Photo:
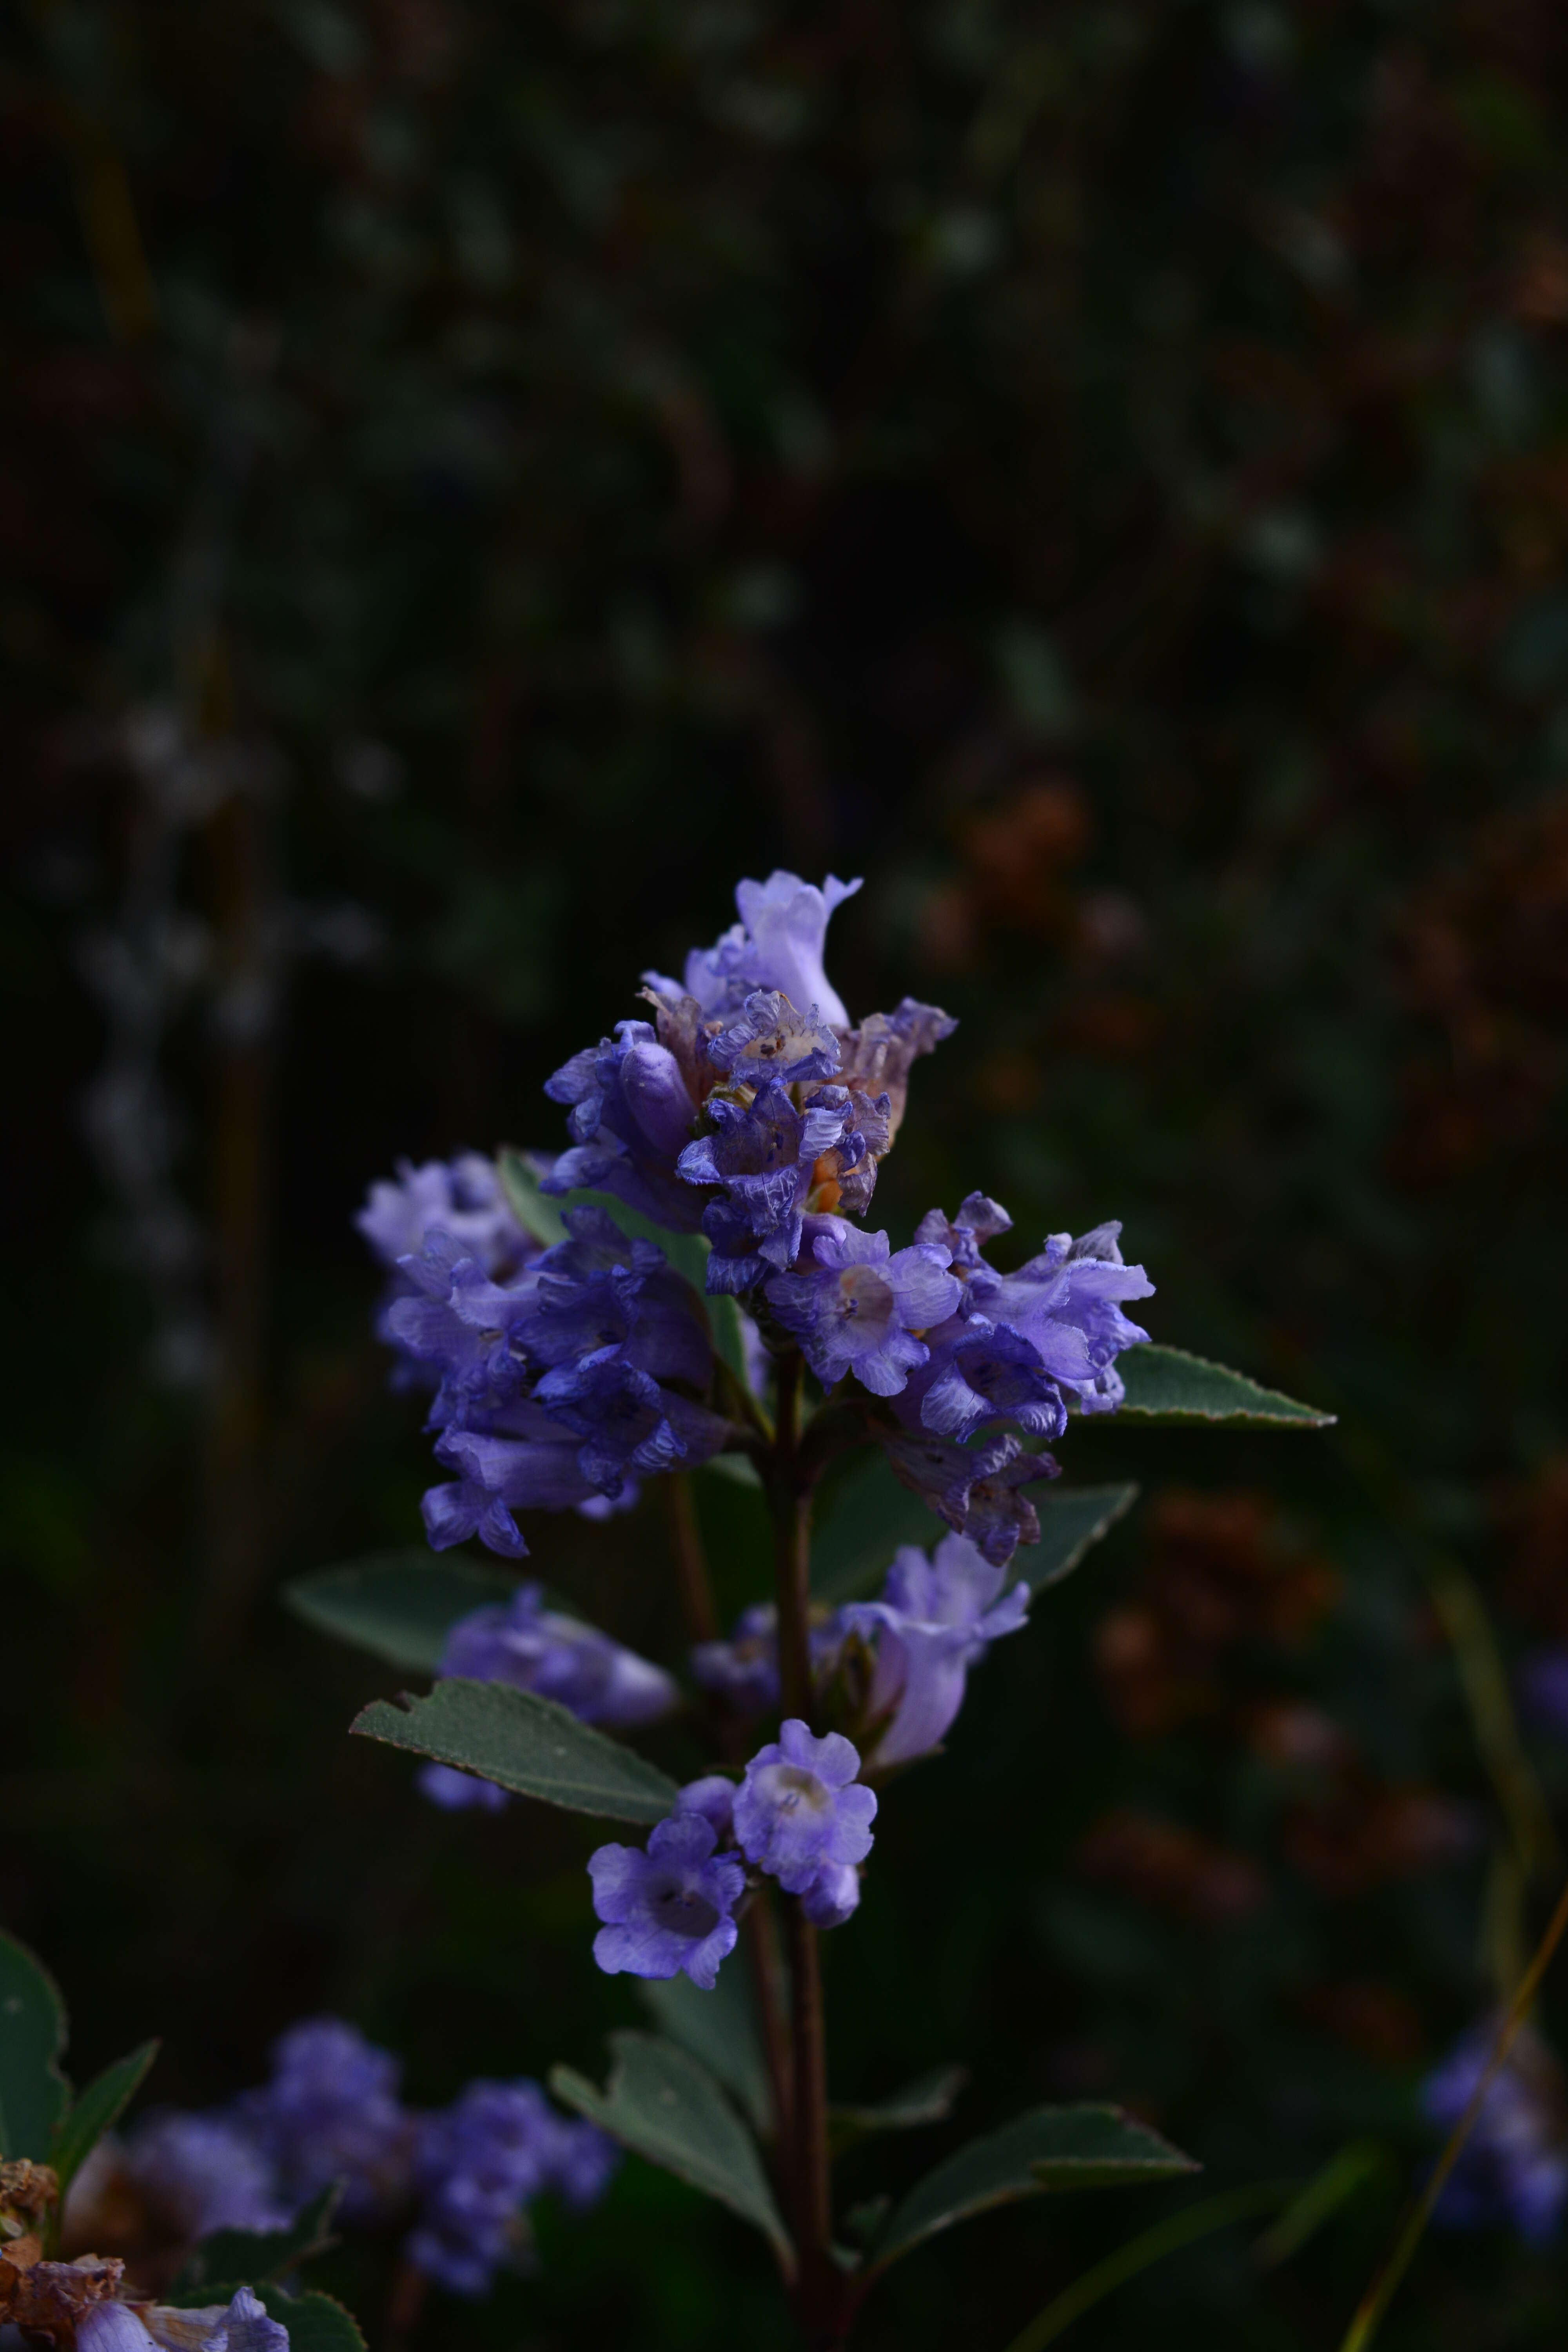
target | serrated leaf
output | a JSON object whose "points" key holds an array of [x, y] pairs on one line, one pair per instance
{"points": [[1167, 1384], [663, 2106], [720, 2030], [234, 2258], [527, 1744], [872, 1514], [398, 1605], [315, 2322], [97, 2110], [32, 2090], [1073, 1519], [1042, 2153], [927, 2100]]}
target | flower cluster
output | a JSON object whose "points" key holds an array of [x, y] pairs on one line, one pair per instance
{"points": [[751, 1111], [556, 1386], [331, 2112], [800, 1815], [1513, 2169], [533, 1648], [897, 1666]]}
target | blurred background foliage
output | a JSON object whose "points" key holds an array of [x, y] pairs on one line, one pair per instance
{"points": [[475, 482]]}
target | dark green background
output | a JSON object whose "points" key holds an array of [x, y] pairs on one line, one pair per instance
{"points": [[1100, 471]]}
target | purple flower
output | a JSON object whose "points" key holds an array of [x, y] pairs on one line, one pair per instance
{"points": [[714, 1797], [833, 1895], [858, 1308], [763, 1154], [243, 2326], [584, 2162], [1543, 1689], [800, 1810], [204, 2172], [744, 1671], [978, 1221], [974, 1487], [1068, 1303], [1514, 2166], [460, 1197], [935, 1618], [537, 1649], [775, 1042], [777, 944], [630, 1115], [979, 1371], [330, 2112], [475, 2166], [111, 2327], [668, 1910], [527, 1461]]}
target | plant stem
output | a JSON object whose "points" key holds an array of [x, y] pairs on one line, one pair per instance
{"points": [[819, 2283], [762, 1934], [790, 1499], [690, 1562]]}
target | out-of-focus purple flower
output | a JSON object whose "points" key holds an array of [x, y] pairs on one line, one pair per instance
{"points": [[1543, 1689], [857, 1308], [800, 1810], [833, 1895], [477, 2164], [713, 1796], [204, 2172], [762, 1155], [630, 1115], [744, 1671], [937, 1615], [667, 1911], [460, 1197], [1514, 2166], [584, 2162], [533, 1648], [457, 1792], [974, 1487], [777, 944], [330, 2112]]}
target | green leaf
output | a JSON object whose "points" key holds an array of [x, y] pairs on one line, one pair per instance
{"points": [[315, 2322], [663, 2106], [1042, 2153], [719, 2028], [871, 1514], [98, 2109], [927, 2100], [537, 1213], [32, 2090], [527, 1744], [234, 2258], [398, 1605], [1167, 1384], [1073, 1519]]}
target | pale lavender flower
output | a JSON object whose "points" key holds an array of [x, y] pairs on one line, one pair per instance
{"points": [[111, 2327], [777, 944], [833, 1895], [460, 1197], [457, 1792], [936, 1616], [1068, 1303], [667, 1911], [713, 1796], [630, 1115], [856, 1304], [204, 2172], [244, 2326], [762, 1155], [800, 1809], [772, 1042], [533, 1648]]}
